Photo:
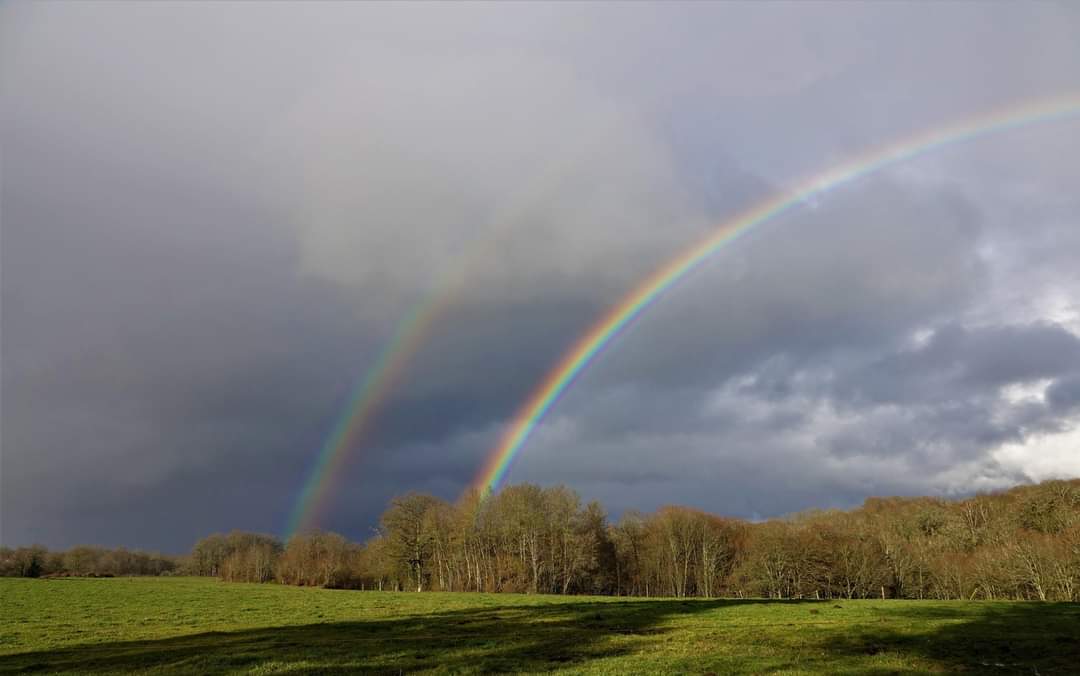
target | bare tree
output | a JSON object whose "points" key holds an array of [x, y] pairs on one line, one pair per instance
{"points": [[408, 526]]}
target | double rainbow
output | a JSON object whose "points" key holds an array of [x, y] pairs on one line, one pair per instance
{"points": [[373, 389], [604, 331]]}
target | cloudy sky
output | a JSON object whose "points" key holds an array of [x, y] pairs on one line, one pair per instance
{"points": [[215, 216]]}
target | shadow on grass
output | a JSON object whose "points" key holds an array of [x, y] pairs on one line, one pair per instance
{"points": [[998, 638], [987, 637], [500, 638]]}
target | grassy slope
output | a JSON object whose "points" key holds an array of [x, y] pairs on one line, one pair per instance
{"points": [[204, 626]]}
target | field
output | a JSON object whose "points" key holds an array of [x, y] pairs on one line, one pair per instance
{"points": [[197, 626]]}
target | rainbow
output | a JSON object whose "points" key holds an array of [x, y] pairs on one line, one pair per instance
{"points": [[373, 388], [619, 317], [363, 403]]}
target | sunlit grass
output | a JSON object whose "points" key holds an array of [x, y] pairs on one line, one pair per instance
{"points": [[195, 625]]}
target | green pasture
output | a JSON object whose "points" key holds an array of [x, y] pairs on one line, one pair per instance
{"points": [[202, 626]]}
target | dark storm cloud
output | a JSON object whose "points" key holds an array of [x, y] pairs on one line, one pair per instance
{"points": [[957, 361], [854, 273], [1064, 394], [131, 360], [215, 216]]}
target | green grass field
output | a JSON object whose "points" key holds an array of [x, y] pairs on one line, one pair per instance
{"points": [[198, 626]]}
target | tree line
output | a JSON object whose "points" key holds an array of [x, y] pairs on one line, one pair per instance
{"points": [[38, 561], [1023, 543], [1019, 544]]}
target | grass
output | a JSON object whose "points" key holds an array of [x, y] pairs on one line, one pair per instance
{"points": [[201, 626]]}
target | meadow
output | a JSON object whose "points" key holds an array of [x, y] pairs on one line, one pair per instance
{"points": [[202, 626]]}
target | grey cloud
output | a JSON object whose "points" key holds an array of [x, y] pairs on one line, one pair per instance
{"points": [[854, 273], [960, 361], [215, 216], [1064, 393]]}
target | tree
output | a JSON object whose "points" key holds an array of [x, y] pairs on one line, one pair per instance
{"points": [[408, 528]]}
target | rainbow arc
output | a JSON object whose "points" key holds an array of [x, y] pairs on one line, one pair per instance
{"points": [[601, 334]]}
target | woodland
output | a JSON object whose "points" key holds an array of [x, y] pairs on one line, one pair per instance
{"points": [[1019, 544]]}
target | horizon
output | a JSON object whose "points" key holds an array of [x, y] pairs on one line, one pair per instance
{"points": [[612, 522]]}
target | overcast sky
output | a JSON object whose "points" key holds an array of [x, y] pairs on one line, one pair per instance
{"points": [[214, 217]]}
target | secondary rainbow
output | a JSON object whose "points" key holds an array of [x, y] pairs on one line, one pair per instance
{"points": [[603, 332], [364, 402], [373, 389]]}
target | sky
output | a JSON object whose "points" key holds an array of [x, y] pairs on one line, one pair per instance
{"points": [[214, 216]]}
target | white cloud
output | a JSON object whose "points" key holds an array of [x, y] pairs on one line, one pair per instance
{"points": [[1043, 456]]}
